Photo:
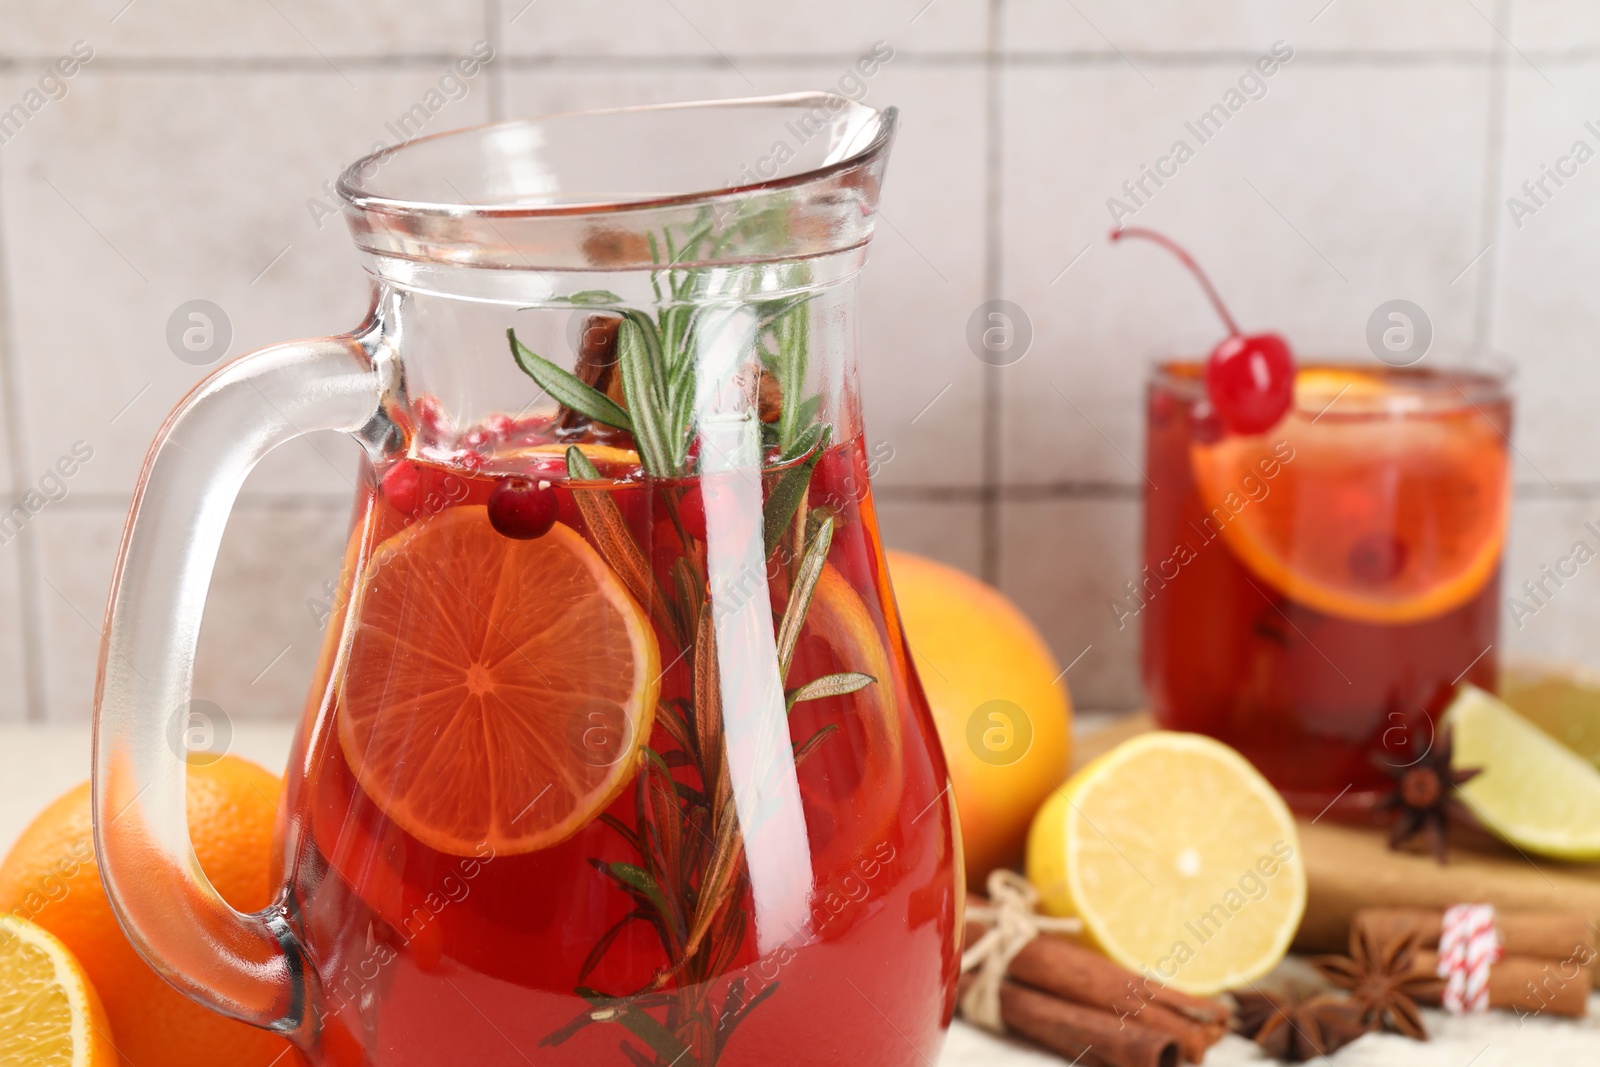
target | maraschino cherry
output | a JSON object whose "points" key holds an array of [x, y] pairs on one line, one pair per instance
{"points": [[1249, 377]]}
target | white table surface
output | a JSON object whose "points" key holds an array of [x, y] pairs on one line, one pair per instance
{"points": [[37, 763]]}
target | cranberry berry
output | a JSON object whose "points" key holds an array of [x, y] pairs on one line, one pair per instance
{"points": [[1249, 378], [522, 508], [402, 486]]}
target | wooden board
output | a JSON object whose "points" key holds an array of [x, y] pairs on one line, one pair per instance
{"points": [[1351, 867]]}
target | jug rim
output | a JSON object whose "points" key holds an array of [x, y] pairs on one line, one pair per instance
{"points": [[884, 122]]}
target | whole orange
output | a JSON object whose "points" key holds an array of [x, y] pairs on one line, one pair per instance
{"points": [[51, 878], [1001, 709]]}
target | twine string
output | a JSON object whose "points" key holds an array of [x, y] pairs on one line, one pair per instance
{"points": [[1012, 913]]}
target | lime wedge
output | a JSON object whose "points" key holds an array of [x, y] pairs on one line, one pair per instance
{"points": [[1564, 702], [1534, 792]]}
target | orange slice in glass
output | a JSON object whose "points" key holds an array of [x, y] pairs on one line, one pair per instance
{"points": [[497, 691], [1365, 502]]}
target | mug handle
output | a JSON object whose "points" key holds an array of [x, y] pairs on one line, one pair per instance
{"points": [[250, 967]]}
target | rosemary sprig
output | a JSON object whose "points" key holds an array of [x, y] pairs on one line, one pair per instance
{"points": [[610, 532], [789, 490], [805, 587], [568, 389], [639, 360], [688, 877], [809, 745], [829, 685]]}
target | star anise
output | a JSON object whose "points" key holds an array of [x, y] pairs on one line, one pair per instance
{"points": [[1295, 1028], [1424, 797], [1384, 980]]}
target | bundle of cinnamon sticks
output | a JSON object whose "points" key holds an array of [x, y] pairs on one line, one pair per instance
{"points": [[1546, 959], [1081, 1005]]}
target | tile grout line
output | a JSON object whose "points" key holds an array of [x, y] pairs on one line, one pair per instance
{"points": [[1067, 60], [989, 413], [1176, 58], [262, 502], [30, 612], [1087, 490], [494, 33], [1494, 152]]}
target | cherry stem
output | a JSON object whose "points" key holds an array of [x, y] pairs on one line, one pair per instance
{"points": [[1188, 261]]}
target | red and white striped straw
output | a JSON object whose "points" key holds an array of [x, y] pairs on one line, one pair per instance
{"points": [[1468, 947]]}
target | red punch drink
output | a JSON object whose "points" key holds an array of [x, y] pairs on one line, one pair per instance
{"points": [[621, 916], [1312, 594]]}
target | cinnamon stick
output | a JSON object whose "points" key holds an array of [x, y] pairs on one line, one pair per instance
{"points": [[1547, 962], [1549, 935], [1082, 1034], [1058, 966], [769, 397], [1528, 984], [596, 366], [1068, 970]]}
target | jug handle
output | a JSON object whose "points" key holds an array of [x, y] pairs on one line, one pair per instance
{"points": [[250, 967]]}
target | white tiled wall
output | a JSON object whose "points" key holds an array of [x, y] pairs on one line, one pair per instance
{"points": [[180, 162]]}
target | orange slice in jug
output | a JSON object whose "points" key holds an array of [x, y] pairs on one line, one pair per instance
{"points": [[1363, 503], [854, 778], [497, 691]]}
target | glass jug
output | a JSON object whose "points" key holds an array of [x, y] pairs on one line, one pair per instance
{"points": [[614, 752]]}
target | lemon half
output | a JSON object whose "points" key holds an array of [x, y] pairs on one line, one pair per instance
{"points": [[1181, 860]]}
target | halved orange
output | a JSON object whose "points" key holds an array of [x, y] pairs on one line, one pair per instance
{"points": [[479, 672], [1378, 510], [49, 1013]]}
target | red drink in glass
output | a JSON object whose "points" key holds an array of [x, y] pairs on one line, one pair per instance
{"points": [[1312, 595]]}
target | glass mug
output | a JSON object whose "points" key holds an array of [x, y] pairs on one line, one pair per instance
{"points": [[614, 750], [1313, 595]]}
